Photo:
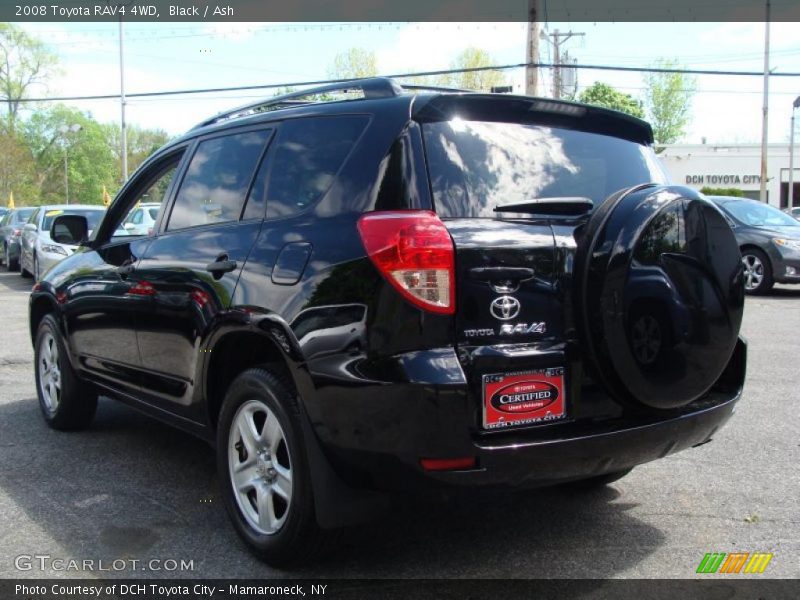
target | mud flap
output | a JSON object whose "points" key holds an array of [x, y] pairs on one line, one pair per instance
{"points": [[336, 503]]}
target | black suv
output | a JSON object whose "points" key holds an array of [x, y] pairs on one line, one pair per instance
{"points": [[400, 288]]}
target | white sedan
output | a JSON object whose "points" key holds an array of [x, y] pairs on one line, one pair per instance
{"points": [[37, 251]]}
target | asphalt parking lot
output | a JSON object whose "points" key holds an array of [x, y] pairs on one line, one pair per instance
{"points": [[135, 489]]}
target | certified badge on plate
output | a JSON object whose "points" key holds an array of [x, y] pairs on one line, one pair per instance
{"points": [[523, 398]]}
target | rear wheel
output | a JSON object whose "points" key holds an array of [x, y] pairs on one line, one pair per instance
{"points": [[12, 264], [66, 402], [266, 481], [757, 271]]}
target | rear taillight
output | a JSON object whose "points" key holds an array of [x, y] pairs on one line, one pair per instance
{"points": [[415, 253]]}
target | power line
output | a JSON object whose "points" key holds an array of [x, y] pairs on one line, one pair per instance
{"points": [[417, 74]]}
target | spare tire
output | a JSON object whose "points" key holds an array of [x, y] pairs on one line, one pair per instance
{"points": [[659, 295]]}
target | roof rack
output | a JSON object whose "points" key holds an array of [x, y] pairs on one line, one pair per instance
{"points": [[435, 88], [373, 87]]}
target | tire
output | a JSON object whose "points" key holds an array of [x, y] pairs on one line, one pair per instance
{"points": [[757, 272], [594, 483], [12, 264], [67, 403], [274, 510], [22, 270]]}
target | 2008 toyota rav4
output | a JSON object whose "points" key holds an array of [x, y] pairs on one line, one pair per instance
{"points": [[401, 289]]}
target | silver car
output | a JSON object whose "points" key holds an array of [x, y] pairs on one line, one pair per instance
{"points": [[37, 251], [10, 233], [141, 219]]}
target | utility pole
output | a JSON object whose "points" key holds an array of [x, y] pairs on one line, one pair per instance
{"points": [[558, 39], [123, 130], [532, 49], [765, 109], [790, 195]]}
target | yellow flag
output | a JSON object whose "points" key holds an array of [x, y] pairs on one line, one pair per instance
{"points": [[106, 197], [10, 199]]}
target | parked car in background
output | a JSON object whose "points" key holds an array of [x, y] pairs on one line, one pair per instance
{"points": [[769, 240], [37, 251], [4, 211], [10, 233], [793, 212], [142, 219], [401, 291]]}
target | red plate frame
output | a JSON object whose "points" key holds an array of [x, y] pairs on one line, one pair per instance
{"points": [[524, 398]]}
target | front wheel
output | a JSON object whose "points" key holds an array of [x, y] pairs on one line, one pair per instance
{"points": [[66, 402], [264, 471], [757, 272]]}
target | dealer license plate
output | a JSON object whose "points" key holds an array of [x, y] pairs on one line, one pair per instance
{"points": [[524, 398]]}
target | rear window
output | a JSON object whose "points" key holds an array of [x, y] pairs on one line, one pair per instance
{"points": [[475, 166], [22, 216], [760, 215]]}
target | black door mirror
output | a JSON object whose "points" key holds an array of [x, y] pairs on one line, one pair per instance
{"points": [[69, 229]]}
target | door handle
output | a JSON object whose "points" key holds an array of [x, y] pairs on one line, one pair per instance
{"points": [[221, 266]]}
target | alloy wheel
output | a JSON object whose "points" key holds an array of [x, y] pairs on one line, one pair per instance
{"points": [[260, 467], [753, 272], [49, 372]]}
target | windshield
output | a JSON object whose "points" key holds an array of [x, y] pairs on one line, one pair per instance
{"points": [[475, 166], [93, 216], [760, 215]]}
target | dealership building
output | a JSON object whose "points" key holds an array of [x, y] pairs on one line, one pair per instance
{"points": [[733, 166]]}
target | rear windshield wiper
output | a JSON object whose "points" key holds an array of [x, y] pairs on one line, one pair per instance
{"points": [[563, 206]]}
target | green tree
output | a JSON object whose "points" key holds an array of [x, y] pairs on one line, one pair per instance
{"points": [[141, 144], [483, 81], [17, 170], [354, 64], [668, 102], [25, 64], [602, 94], [91, 164]]}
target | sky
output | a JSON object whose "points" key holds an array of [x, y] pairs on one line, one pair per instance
{"points": [[173, 56]]}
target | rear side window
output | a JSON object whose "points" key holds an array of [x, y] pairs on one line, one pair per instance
{"points": [[475, 166], [308, 155], [216, 182]]}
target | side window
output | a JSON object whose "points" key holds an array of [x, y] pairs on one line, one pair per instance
{"points": [[137, 217], [35, 217], [217, 180], [308, 155], [153, 187]]}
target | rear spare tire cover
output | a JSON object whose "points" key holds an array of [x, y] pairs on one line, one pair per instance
{"points": [[660, 295]]}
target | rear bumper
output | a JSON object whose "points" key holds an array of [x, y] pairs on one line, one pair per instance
{"points": [[550, 462], [376, 436]]}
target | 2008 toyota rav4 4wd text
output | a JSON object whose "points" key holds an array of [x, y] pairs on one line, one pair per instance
{"points": [[396, 289]]}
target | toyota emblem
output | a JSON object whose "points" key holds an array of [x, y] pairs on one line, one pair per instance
{"points": [[505, 308]]}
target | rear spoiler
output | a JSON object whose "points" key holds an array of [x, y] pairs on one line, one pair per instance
{"points": [[535, 111]]}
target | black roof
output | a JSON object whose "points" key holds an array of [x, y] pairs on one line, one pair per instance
{"points": [[379, 94]]}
